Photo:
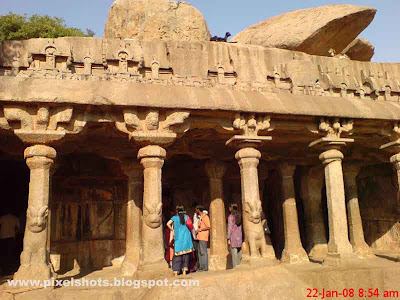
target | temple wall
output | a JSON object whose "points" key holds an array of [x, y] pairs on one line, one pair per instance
{"points": [[378, 207], [88, 212]]}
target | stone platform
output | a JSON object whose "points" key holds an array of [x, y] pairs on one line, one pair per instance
{"points": [[282, 281]]}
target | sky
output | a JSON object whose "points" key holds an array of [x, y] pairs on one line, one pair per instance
{"points": [[225, 15]]}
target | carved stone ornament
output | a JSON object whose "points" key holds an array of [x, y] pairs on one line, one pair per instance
{"points": [[250, 125], [332, 128], [41, 124], [152, 215], [394, 135], [37, 218], [153, 126]]}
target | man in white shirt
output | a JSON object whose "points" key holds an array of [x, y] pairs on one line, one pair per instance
{"points": [[9, 228]]}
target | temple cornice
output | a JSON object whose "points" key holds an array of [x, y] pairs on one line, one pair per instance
{"points": [[105, 93]]}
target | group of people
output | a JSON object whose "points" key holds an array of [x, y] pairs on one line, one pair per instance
{"points": [[186, 239]]}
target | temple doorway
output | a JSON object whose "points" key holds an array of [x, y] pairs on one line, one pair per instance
{"points": [[88, 213], [14, 184]]}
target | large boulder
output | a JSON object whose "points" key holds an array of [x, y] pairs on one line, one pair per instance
{"points": [[360, 49], [156, 20], [313, 31]]}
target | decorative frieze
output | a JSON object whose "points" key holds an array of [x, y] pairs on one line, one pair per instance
{"points": [[225, 66]]}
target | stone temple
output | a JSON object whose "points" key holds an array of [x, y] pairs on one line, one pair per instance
{"points": [[100, 137]]}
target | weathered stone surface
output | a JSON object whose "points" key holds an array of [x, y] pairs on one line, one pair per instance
{"points": [[152, 159], [134, 171], [215, 171], [356, 232], [248, 159], [360, 49], [35, 258], [311, 186], [156, 20], [338, 232], [293, 251], [313, 31]]}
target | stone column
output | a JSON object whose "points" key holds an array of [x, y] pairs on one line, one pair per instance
{"points": [[218, 242], [357, 240], [395, 160], [35, 259], [311, 189], [134, 171], [248, 159], [293, 251], [339, 245], [152, 159]]}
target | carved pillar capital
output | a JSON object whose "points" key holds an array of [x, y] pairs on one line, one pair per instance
{"points": [[334, 127], [248, 158], [330, 156], [215, 169], [152, 156], [153, 126], [43, 124], [395, 160], [40, 157]]}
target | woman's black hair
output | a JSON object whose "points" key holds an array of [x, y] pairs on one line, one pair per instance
{"points": [[236, 214], [180, 210], [200, 207]]}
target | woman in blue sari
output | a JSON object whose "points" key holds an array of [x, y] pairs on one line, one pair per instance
{"points": [[183, 246]]}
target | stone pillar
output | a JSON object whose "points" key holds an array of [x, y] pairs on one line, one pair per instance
{"points": [[35, 259], [248, 159], [311, 189], [293, 251], [339, 245], [395, 160], [152, 159], [357, 240], [218, 242], [134, 171]]}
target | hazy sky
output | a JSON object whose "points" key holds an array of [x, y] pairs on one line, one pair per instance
{"points": [[225, 15]]}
